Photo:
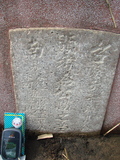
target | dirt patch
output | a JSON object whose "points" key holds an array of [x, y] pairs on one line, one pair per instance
{"points": [[74, 148]]}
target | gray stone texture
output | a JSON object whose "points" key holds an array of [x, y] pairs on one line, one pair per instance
{"points": [[63, 77]]}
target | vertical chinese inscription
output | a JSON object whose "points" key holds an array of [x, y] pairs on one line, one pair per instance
{"points": [[64, 75]]}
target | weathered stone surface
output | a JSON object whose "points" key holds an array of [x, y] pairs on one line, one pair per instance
{"points": [[63, 77]]}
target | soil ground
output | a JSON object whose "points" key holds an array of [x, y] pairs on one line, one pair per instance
{"points": [[74, 148]]}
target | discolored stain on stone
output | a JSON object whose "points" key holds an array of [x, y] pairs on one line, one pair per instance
{"points": [[63, 77]]}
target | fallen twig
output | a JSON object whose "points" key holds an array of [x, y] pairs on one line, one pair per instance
{"points": [[45, 136], [111, 129], [66, 154], [65, 157], [107, 1]]}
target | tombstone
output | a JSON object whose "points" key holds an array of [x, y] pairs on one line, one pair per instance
{"points": [[63, 77]]}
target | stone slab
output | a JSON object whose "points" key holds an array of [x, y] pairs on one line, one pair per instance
{"points": [[63, 77]]}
